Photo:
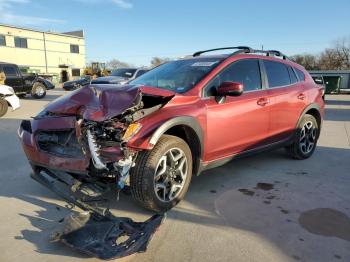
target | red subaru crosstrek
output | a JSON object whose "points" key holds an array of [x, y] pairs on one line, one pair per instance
{"points": [[173, 122]]}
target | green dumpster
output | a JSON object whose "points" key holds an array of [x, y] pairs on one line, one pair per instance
{"points": [[332, 84]]}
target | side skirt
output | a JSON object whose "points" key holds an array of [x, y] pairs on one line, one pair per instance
{"points": [[225, 160]]}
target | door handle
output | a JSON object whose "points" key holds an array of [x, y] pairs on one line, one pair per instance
{"points": [[301, 96], [263, 101]]}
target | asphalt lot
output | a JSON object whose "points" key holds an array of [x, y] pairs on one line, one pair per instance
{"points": [[303, 215]]}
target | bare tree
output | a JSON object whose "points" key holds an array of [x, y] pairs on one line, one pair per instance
{"points": [[329, 60], [342, 50], [115, 63], [309, 61], [156, 61], [335, 58]]}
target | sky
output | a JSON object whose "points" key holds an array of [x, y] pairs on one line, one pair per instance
{"points": [[134, 31]]}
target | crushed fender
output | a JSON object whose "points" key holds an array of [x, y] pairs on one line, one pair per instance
{"points": [[96, 231]]}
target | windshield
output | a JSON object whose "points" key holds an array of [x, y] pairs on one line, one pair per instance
{"points": [[124, 72], [178, 76]]}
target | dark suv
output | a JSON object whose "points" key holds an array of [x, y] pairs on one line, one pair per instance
{"points": [[24, 84], [173, 122]]}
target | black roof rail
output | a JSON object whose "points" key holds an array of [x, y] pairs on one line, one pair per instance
{"points": [[277, 53], [272, 52], [241, 49], [245, 49]]}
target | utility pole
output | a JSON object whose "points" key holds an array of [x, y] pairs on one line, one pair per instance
{"points": [[45, 52]]}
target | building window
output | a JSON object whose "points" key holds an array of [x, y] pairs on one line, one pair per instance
{"points": [[21, 42], [74, 49], [2, 40], [75, 72]]}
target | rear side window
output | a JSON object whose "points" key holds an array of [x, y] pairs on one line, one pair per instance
{"points": [[293, 77], [277, 74], [300, 74], [10, 70]]}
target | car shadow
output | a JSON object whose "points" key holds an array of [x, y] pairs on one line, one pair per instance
{"points": [[337, 114], [338, 102], [48, 218], [48, 98]]}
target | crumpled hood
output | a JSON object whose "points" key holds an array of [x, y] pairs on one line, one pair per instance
{"points": [[102, 102]]}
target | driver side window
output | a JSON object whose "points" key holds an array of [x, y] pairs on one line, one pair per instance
{"points": [[246, 72]]}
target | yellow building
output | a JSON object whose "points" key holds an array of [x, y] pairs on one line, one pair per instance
{"points": [[60, 54]]}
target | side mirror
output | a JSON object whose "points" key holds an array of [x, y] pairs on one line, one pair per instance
{"points": [[230, 89]]}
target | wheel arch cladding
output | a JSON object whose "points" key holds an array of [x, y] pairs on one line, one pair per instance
{"points": [[188, 129], [314, 110]]}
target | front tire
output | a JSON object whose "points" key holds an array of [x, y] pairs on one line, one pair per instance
{"points": [[38, 90], [161, 176], [3, 107], [305, 140]]}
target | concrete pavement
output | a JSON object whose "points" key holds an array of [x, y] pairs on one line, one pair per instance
{"points": [[266, 207]]}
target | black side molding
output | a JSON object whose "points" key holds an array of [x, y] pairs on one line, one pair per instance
{"points": [[181, 120]]}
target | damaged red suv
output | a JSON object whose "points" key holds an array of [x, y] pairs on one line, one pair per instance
{"points": [[173, 122]]}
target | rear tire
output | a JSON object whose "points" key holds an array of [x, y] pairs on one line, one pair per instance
{"points": [[38, 90], [3, 107], [161, 176], [305, 140]]}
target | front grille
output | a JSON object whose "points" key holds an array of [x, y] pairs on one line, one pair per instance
{"points": [[60, 142]]}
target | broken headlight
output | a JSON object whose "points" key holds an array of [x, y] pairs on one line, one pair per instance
{"points": [[131, 131]]}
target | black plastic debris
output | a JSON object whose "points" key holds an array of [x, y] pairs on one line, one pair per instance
{"points": [[97, 232], [107, 237]]}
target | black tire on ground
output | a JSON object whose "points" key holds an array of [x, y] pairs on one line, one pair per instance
{"points": [[3, 107], [297, 149], [142, 175], [38, 90]]}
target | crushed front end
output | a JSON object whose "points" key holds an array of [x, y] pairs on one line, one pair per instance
{"points": [[85, 133], [79, 143]]}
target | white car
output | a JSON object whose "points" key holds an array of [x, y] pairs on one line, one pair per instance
{"points": [[7, 97]]}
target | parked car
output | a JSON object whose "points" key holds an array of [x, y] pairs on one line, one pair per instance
{"points": [[75, 84], [7, 98], [175, 121], [24, 84], [120, 76]]}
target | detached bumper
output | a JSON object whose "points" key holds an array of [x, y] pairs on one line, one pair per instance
{"points": [[13, 101], [96, 231]]}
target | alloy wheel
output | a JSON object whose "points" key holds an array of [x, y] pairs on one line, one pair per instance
{"points": [[39, 91], [307, 138], [170, 175]]}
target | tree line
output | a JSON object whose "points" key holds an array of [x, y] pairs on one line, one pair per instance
{"points": [[336, 57], [115, 63]]}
